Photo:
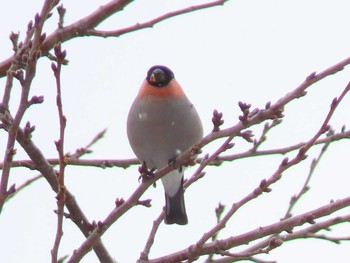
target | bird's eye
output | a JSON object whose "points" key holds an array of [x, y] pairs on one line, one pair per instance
{"points": [[157, 76]]}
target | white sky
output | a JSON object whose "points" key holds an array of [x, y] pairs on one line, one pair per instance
{"points": [[247, 50]]}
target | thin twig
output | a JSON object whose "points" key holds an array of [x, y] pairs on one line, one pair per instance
{"points": [[272, 244], [29, 57], [146, 250], [302, 233], [83, 150], [281, 151], [152, 22], [30, 164], [305, 187], [24, 185], [267, 127], [61, 195], [209, 158]]}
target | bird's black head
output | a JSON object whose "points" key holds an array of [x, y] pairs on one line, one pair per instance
{"points": [[159, 76]]}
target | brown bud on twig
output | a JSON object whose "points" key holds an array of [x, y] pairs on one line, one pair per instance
{"points": [[11, 190], [334, 103], [332, 132], [275, 242], [100, 225], [311, 76], [54, 67], [219, 210], [36, 100], [37, 19], [301, 153], [58, 144], [310, 219], [302, 94], [267, 190], [244, 106], [230, 145], [343, 128], [14, 40], [326, 128], [263, 186], [285, 161], [28, 130], [12, 151], [119, 202], [262, 183], [59, 53], [30, 25], [146, 203], [61, 12], [245, 110], [247, 135], [217, 120]]}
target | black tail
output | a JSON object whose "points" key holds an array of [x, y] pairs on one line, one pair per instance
{"points": [[175, 211]]}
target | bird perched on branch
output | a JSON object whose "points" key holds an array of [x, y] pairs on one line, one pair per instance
{"points": [[162, 123]]}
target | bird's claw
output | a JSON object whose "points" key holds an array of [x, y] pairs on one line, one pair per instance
{"points": [[172, 164], [145, 173]]}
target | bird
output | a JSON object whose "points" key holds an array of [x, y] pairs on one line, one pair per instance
{"points": [[162, 123]]}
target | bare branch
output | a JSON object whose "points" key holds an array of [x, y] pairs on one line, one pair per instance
{"points": [[306, 186], [152, 22], [28, 55], [61, 195], [86, 26], [283, 150], [24, 185], [156, 223], [234, 241]]}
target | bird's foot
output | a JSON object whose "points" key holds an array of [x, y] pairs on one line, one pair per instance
{"points": [[145, 173]]}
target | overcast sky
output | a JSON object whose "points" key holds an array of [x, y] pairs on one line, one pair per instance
{"points": [[247, 50]]}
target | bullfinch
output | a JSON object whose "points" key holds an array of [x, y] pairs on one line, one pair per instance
{"points": [[162, 123]]}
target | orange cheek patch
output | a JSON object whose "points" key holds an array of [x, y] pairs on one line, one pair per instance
{"points": [[173, 89]]}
